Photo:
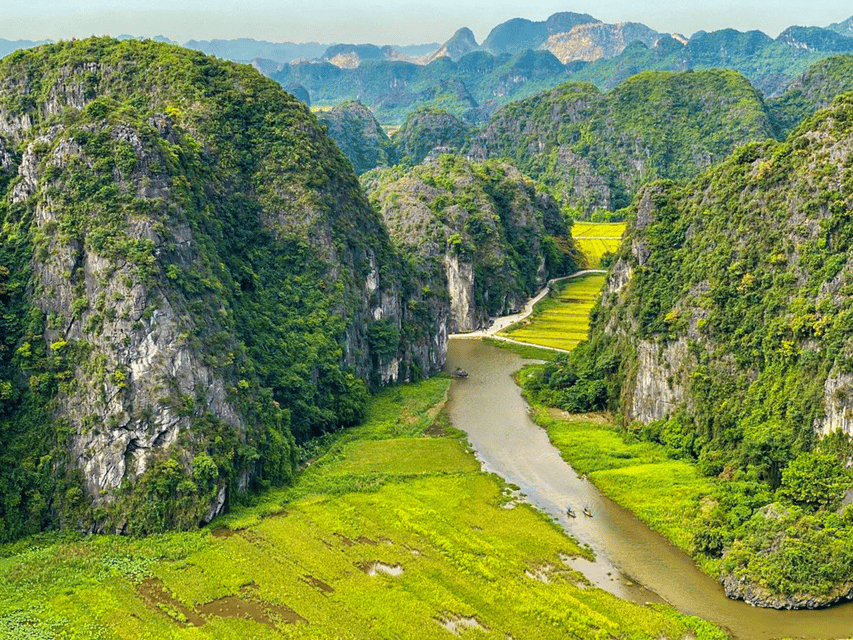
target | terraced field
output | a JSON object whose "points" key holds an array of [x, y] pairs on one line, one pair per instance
{"points": [[560, 320], [595, 239]]}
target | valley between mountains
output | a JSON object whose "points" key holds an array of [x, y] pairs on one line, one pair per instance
{"points": [[225, 317]]}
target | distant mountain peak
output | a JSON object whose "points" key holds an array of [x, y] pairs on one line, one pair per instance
{"points": [[465, 33], [461, 43], [844, 28], [515, 36], [815, 39], [567, 20]]}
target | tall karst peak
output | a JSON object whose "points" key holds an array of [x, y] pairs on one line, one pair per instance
{"points": [[461, 43], [727, 313], [191, 280]]}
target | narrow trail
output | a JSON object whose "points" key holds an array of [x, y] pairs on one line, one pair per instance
{"points": [[502, 322]]}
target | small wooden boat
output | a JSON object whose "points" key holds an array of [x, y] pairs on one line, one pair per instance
{"points": [[460, 373], [587, 512], [570, 512]]}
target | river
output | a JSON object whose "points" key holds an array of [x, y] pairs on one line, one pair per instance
{"points": [[632, 561]]}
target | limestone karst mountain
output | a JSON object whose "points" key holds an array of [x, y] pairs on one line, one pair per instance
{"points": [[190, 278], [463, 42], [482, 235], [352, 126], [596, 149]]}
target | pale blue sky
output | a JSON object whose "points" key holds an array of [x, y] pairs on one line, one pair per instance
{"points": [[383, 21]]}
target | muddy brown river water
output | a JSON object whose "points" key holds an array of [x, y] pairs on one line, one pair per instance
{"points": [[632, 561]]}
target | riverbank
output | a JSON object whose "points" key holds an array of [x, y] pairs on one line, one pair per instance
{"points": [[632, 560], [393, 531], [664, 493]]}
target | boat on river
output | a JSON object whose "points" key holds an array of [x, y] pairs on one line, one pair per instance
{"points": [[459, 373], [587, 512], [570, 512]]}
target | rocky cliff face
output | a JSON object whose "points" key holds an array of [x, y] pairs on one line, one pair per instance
{"points": [[597, 40], [206, 281], [480, 234], [660, 381]]}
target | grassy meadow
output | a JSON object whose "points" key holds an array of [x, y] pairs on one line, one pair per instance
{"points": [[561, 319], [391, 532], [594, 239]]}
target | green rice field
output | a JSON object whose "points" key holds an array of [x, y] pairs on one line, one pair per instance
{"points": [[561, 320], [391, 532], [595, 239]]}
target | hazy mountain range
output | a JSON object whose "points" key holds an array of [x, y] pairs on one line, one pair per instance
{"points": [[518, 58]]}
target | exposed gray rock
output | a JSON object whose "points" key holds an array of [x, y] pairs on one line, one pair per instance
{"points": [[837, 405], [460, 287], [659, 383], [758, 596]]}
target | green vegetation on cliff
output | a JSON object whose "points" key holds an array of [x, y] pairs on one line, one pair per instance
{"points": [[480, 233], [352, 126], [426, 129], [595, 150], [725, 331], [812, 91], [183, 265]]}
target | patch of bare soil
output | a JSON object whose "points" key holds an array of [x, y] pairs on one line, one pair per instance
{"points": [[375, 567], [154, 593], [456, 623], [594, 418], [318, 584]]}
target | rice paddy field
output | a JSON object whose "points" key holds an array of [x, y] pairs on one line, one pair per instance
{"points": [[391, 532], [595, 239], [560, 320]]}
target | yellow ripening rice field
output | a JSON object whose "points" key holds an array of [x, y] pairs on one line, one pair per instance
{"points": [[560, 320], [595, 239]]}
